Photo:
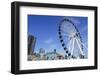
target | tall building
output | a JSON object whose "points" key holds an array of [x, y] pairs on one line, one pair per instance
{"points": [[42, 51], [42, 54], [31, 44]]}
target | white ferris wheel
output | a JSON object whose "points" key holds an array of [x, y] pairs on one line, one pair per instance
{"points": [[71, 40]]}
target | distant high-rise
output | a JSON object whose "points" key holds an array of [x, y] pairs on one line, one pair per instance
{"points": [[41, 51], [31, 44]]}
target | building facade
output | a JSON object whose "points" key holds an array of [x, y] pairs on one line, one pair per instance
{"points": [[31, 46]]}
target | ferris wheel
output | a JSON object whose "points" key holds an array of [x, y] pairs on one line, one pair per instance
{"points": [[71, 40]]}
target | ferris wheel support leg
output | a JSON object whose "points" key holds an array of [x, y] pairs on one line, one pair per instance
{"points": [[79, 47], [73, 40], [82, 44]]}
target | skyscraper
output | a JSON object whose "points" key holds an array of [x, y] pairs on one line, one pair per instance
{"points": [[31, 44]]}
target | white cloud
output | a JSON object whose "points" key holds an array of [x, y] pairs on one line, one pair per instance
{"points": [[48, 41]]}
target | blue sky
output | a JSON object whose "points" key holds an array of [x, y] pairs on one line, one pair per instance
{"points": [[45, 29]]}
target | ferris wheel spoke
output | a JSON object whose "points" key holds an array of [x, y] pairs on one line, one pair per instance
{"points": [[64, 31], [67, 27], [72, 46], [79, 46], [82, 44], [67, 32], [69, 44], [64, 35]]}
